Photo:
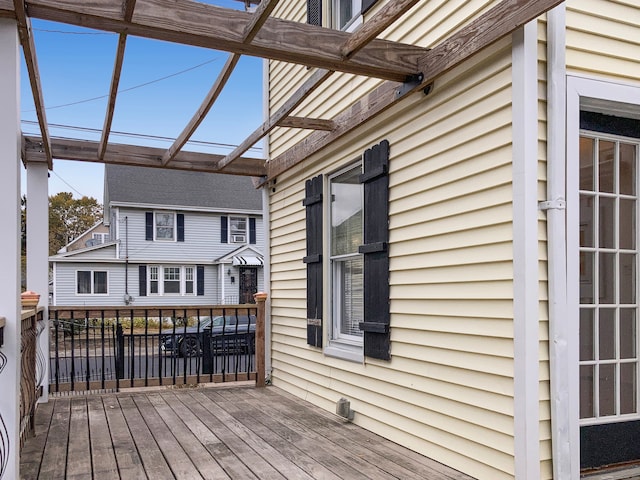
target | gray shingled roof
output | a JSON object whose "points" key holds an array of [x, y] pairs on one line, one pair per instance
{"points": [[173, 187]]}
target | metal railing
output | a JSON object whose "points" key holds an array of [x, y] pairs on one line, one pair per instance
{"points": [[31, 327], [109, 348]]}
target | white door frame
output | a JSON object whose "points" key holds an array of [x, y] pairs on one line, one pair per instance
{"points": [[607, 97]]}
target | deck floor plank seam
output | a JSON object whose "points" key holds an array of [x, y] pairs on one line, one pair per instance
{"points": [[33, 450], [103, 457], [54, 459]]}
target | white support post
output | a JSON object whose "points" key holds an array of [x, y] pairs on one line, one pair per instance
{"points": [[525, 253], [38, 255], [10, 248]]}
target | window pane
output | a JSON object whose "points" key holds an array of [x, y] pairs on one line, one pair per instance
{"points": [[606, 156], [84, 282], [586, 220], [586, 334], [350, 291], [627, 169], [586, 164], [606, 277], [164, 226], [627, 278], [346, 213], [586, 391], [586, 277], [100, 282], [172, 280], [606, 334], [238, 225], [607, 222], [188, 278], [607, 384], [627, 333], [628, 224], [628, 388], [153, 286]]}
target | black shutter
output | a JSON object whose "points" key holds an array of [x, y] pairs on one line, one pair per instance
{"points": [[314, 12], [148, 225], [252, 230], [180, 224], [366, 6], [224, 224], [313, 204], [376, 252], [200, 279], [142, 280]]}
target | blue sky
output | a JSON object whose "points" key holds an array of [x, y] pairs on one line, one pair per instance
{"points": [[77, 66]]}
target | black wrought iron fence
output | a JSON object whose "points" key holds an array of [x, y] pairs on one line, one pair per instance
{"points": [[113, 348]]}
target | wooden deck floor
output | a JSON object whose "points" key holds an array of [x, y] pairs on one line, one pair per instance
{"points": [[210, 432]]}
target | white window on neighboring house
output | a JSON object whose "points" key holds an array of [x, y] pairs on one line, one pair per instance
{"points": [[237, 229], [90, 282], [171, 280], [164, 226], [100, 238]]}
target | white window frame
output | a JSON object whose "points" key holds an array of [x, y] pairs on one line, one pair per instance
{"points": [[344, 346], [102, 237], [234, 237], [355, 20], [157, 273], [93, 283], [174, 226]]}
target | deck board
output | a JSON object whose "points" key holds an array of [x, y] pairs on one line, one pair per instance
{"points": [[220, 432]]}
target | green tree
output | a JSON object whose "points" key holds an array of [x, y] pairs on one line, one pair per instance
{"points": [[69, 217]]}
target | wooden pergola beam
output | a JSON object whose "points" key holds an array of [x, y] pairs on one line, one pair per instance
{"points": [[496, 23], [29, 49], [190, 23], [121, 154], [259, 17], [308, 123], [127, 9], [355, 43]]}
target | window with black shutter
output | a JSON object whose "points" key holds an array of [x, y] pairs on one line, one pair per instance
{"points": [[313, 207], [224, 229], [180, 226], [200, 280], [375, 249], [148, 225], [314, 12], [252, 230], [142, 280]]}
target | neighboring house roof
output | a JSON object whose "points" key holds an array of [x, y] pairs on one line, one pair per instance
{"points": [[80, 237], [104, 251], [155, 186]]}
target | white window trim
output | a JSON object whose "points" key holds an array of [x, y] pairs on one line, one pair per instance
{"points": [[351, 25], [581, 92], [155, 226], [92, 271], [183, 281], [343, 348]]}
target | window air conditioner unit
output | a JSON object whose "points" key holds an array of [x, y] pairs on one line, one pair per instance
{"points": [[238, 238]]}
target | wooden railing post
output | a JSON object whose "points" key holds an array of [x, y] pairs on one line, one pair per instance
{"points": [[261, 298]]}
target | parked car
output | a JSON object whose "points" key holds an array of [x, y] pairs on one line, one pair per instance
{"points": [[228, 333]]}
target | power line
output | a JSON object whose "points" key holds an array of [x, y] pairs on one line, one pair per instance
{"points": [[68, 184], [93, 99]]}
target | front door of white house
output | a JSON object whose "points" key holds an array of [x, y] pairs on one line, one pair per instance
{"points": [[609, 294]]}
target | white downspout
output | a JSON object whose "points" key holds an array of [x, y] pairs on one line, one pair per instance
{"points": [[565, 444]]}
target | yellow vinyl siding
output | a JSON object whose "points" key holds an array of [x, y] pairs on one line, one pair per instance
{"points": [[603, 39], [448, 390]]}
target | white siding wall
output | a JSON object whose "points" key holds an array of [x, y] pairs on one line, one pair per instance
{"points": [[448, 390]]}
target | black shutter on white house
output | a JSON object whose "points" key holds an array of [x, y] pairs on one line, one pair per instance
{"points": [[148, 225], [224, 225], [142, 280], [200, 280], [314, 12], [252, 230], [180, 225], [376, 252], [313, 204]]}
